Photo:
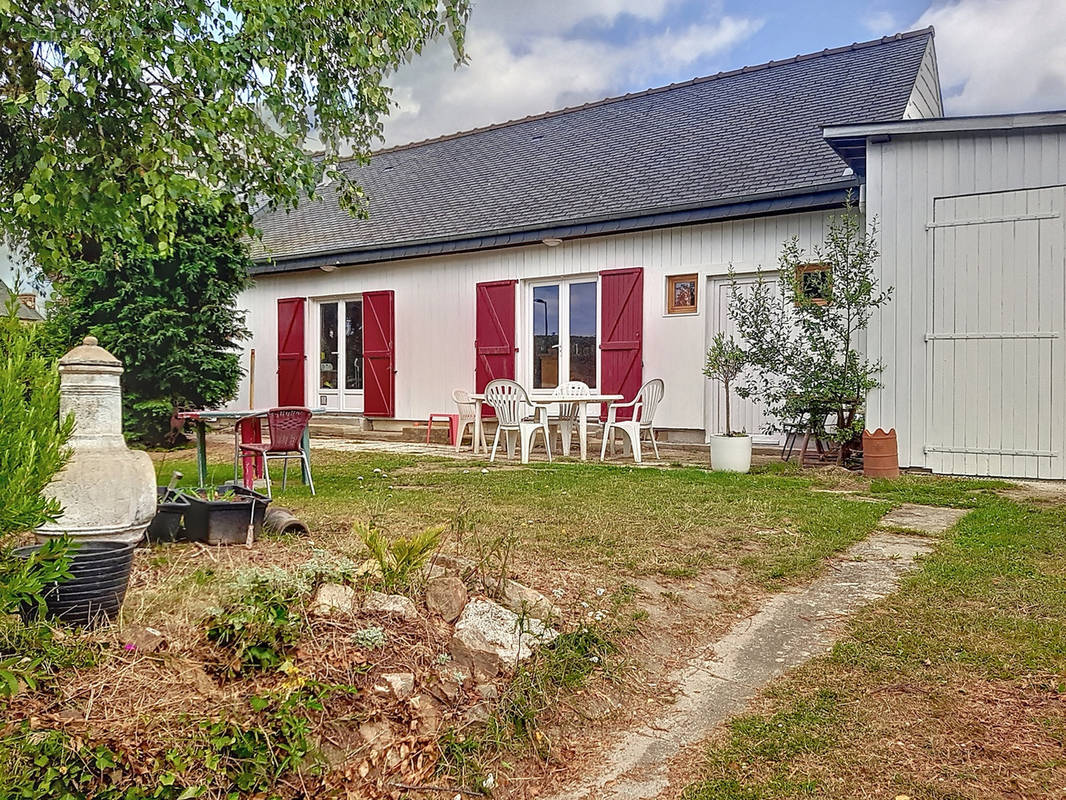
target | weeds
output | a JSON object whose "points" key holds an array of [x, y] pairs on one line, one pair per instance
{"points": [[400, 560], [216, 757], [33, 655], [260, 622]]}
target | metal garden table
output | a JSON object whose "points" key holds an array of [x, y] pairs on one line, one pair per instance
{"points": [[203, 416]]}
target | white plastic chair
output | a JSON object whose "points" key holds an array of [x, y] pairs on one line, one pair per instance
{"points": [[643, 405], [507, 398], [467, 416], [568, 411]]}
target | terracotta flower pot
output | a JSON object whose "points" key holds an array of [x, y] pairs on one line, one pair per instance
{"points": [[880, 454]]}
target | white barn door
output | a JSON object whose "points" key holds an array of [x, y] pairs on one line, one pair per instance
{"points": [[994, 346], [746, 415]]}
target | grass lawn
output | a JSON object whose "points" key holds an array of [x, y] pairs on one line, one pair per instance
{"points": [[604, 521], [954, 687]]}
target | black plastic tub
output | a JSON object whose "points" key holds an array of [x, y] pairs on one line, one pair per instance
{"points": [[226, 521], [170, 511], [93, 596]]}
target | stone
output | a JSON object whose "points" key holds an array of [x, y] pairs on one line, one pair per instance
{"points": [[478, 714], [490, 639], [142, 639], [446, 596], [523, 600], [107, 491], [488, 691], [400, 685], [427, 712], [390, 605], [333, 599]]}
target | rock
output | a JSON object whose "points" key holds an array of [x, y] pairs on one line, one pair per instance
{"points": [[427, 712], [478, 714], [488, 640], [400, 685], [333, 599], [446, 596], [140, 639], [390, 605], [376, 733], [488, 691], [523, 600]]}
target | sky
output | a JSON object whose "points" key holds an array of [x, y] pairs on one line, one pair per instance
{"points": [[530, 56]]}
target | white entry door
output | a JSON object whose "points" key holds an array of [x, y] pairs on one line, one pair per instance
{"points": [[746, 415], [994, 345], [340, 349]]}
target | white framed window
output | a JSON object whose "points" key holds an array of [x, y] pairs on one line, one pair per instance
{"points": [[562, 339], [338, 325]]}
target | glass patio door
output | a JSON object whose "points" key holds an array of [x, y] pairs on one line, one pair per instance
{"points": [[340, 363], [564, 325]]}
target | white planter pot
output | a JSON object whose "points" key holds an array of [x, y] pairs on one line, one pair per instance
{"points": [[731, 453]]}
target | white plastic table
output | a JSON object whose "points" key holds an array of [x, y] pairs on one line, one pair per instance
{"points": [[582, 414]]}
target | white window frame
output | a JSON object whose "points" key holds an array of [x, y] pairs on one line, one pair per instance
{"points": [[525, 345]]}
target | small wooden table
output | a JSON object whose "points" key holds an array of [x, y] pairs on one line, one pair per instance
{"points": [[582, 414], [203, 416]]}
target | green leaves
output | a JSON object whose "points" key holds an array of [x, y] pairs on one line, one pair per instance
{"points": [[205, 98], [172, 319]]}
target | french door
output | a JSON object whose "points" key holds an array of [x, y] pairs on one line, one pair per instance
{"points": [[340, 348], [563, 325]]}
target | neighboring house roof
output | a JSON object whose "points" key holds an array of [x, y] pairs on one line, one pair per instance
{"points": [[23, 311], [663, 156]]}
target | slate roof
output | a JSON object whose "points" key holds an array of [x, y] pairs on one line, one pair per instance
{"points": [[22, 311], [740, 135]]}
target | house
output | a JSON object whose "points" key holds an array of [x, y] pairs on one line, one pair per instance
{"points": [[26, 307], [594, 243]]}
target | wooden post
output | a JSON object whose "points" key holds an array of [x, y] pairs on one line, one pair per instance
{"points": [[251, 379]]}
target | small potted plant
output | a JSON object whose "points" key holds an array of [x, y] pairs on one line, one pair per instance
{"points": [[730, 451]]}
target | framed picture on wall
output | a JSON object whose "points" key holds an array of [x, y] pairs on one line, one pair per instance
{"points": [[681, 294]]}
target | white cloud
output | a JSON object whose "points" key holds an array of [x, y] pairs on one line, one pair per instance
{"points": [[534, 56], [1000, 55], [880, 23]]}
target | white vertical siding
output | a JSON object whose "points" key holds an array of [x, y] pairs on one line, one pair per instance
{"points": [[906, 176], [435, 305], [925, 99]]}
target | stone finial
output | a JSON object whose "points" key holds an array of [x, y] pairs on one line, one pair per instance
{"points": [[89, 353]]}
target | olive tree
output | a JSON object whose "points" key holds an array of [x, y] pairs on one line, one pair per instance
{"points": [[803, 330], [725, 362], [112, 114]]}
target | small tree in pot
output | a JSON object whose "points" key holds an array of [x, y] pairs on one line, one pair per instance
{"points": [[804, 338], [726, 360]]}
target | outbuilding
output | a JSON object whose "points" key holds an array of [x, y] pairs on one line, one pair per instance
{"points": [[971, 219]]}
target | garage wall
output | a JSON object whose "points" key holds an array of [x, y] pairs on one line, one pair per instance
{"points": [[911, 180]]}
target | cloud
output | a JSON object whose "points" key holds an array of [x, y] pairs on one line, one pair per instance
{"points": [[880, 23], [534, 56], [997, 57]]}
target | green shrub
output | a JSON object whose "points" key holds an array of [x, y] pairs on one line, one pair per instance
{"points": [[32, 438], [172, 319]]}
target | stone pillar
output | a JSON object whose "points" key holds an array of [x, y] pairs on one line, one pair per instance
{"points": [[107, 490]]}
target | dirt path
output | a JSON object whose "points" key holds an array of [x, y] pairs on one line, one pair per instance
{"points": [[789, 629]]}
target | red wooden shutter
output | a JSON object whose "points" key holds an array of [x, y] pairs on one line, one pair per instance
{"points": [[622, 332], [291, 353], [379, 357], [494, 336]]}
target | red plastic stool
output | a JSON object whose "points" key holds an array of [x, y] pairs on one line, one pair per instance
{"points": [[453, 425]]}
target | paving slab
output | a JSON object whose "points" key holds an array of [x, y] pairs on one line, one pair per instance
{"points": [[927, 519], [788, 630]]}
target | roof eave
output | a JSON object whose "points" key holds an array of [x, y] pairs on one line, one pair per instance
{"points": [[808, 199]]}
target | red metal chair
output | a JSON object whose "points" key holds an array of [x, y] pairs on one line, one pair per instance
{"points": [[286, 426]]}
